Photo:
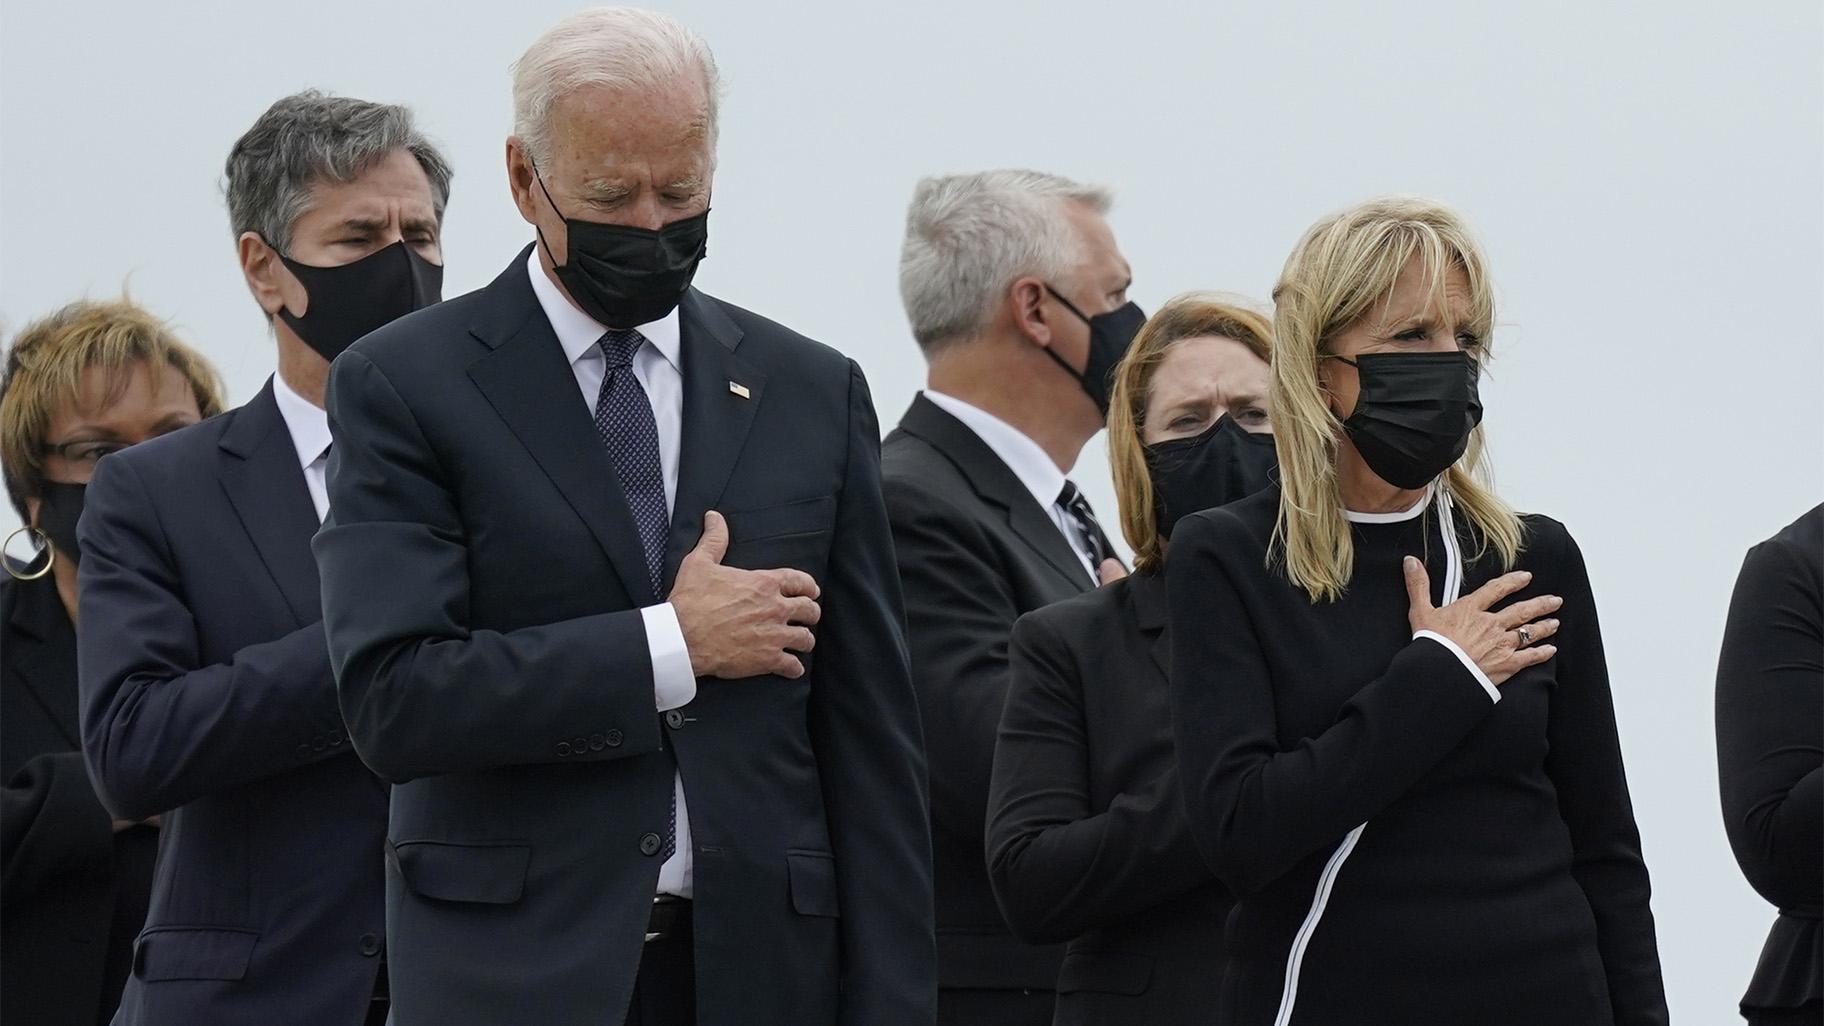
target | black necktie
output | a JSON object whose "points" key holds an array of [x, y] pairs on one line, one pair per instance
{"points": [[1089, 530], [623, 416]]}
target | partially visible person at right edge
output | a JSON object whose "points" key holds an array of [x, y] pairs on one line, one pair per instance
{"points": [[1770, 754], [1389, 695]]}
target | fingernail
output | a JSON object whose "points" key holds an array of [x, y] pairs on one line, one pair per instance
{"points": [[1411, 563]]}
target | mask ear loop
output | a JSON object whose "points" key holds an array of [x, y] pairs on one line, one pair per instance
{"points": [[540, 179], [1072, 307]]}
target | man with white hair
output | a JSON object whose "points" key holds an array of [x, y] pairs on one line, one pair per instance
{"points": [[1017, 294], [588, 526]]}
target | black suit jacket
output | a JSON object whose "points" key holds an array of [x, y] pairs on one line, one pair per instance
{"points": [[483, 580], [1087, 836], [207, 697], [73, 892], [975, 551]]}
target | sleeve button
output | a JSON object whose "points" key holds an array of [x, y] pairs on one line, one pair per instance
{"points": [[614, 739], [563, 748]]}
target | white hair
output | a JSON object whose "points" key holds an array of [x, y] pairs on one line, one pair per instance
{"points": [[617, 47], [970, 236]]}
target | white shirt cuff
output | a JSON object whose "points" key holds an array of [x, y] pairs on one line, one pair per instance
{"points": [[1494, 693], [673, 683]]}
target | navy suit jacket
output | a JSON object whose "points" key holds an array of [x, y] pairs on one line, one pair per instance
{"points": [[482, 581], [207, 697]]}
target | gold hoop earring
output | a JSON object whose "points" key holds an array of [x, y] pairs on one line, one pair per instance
{"points": [[45, 540]]}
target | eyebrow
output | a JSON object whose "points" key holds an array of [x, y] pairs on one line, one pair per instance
{"points": [[599, 189], [687, 183], [420, 224], [364, 224]]}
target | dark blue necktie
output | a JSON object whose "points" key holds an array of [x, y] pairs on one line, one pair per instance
{"points": [[623, 416]]}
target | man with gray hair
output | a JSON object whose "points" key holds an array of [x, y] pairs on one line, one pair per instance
{"points": [[207, 692], [1017, 295], [588, 526]]}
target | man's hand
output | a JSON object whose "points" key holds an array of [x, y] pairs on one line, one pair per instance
{"points": [[742, 623], [1111, 571]]}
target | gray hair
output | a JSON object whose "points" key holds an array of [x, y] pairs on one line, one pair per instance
{"points": [[617, 47], [310, 137], [970, 236]]}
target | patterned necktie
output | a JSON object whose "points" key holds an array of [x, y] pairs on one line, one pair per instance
{"points": [[1089, 530], [623, 417]]}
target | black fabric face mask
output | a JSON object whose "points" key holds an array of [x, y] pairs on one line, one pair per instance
{"points": [[348, 301], [1110, 335], [59, 507], [1413, 417], [625, 276], [1223, 463]]}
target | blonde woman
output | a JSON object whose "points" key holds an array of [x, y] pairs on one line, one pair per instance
{"points": [[1389, 696], [1087, 838]]}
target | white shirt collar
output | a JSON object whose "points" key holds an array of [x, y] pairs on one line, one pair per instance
{"points": [[308, 425], [578, 332], [1396, 516], [1023, 456]]}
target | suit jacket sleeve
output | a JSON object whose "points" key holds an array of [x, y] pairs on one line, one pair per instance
{"points": [[1584, 762], [1058, 867], [51, 825], [864, 725], [1769, 744], [959, 616], [159, 726], [422, 691], [1257, 809]]}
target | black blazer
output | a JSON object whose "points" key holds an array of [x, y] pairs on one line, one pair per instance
{"points": [[207, 696], [74, 892], [1770, 748], [483, 579], [1087, 836], [975, 552]]}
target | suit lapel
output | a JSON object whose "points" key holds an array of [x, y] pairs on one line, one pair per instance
{"points": [[265, 485], [41, 648], [716, 419], [995, 482], [1148, 604], [532, 387]]}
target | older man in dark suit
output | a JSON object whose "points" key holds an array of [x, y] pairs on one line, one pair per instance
{"points": [[611, 599], [1017, 295]]}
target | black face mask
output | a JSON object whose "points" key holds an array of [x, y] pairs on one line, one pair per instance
{"points": [[624, 276], [59, 507], [1413, 417], [1110, 334], [348, 301], [1223, 463]]}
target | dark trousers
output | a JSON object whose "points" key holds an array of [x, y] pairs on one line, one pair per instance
{"points": [[970, 1006], [665, 991]]}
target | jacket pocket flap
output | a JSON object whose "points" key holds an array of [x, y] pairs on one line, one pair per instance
{"points": [[1107, 972], [806, 516], [193, 954], [813, 875], [487, 874]]}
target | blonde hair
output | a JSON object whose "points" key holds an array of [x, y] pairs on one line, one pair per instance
{"points": [[44, 370], [1345, 265], [1192, 315]]}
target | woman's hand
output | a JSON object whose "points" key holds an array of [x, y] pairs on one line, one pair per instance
{"points": [[1493, 640]]}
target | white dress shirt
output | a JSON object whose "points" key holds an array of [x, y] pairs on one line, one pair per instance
{"points": [[659, 368], [309, 428], [1029, 462]]}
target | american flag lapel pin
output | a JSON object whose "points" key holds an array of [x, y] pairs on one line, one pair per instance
{"points": [[739, 389]]}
